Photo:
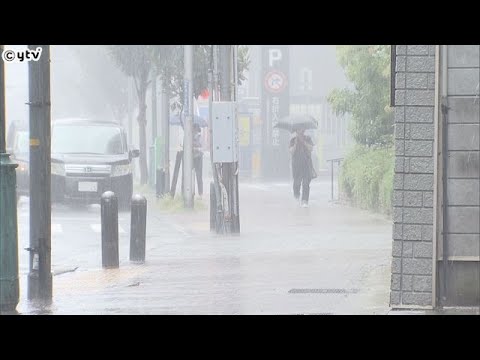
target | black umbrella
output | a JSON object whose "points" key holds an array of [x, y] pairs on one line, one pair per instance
{"points": [[297, 122]]}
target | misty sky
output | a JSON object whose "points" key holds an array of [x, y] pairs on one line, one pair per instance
{"points": [[77, 92]]}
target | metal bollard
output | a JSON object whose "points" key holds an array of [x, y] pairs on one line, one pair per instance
{"points": [[109, 214], [138, 228]]}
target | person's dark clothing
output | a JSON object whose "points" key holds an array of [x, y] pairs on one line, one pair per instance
{"points": [[198, 161], [198, 165], [304, 183], [302, 168]]}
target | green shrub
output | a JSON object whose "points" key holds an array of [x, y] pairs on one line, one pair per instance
{"points": [[366, 177], [175, 205], [166, 203]]}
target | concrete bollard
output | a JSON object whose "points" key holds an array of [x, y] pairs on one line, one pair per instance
{"points": [[109, 218]]}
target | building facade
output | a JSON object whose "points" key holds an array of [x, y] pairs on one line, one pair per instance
{"points": [[436, 186]]}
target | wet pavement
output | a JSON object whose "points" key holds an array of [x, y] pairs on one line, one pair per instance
{"points": [[325, 259]]}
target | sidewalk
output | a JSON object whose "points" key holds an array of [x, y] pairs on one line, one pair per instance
{"points": [[325, 259]]}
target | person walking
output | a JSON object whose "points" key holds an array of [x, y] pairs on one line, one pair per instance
{"points": [[301, 147], [198, 157]]}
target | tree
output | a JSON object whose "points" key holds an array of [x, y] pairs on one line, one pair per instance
{"points": [[202, 58], [368, 68], [137, 61]]}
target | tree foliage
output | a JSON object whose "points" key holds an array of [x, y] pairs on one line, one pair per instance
{"points": [[167, 62], [171, 69], [135, 61], [138, 61], [368, 68], [366, 177]]}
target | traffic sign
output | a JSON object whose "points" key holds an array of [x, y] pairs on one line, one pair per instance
{"points": [[275, 81]]}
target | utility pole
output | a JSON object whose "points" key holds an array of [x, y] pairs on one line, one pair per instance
{"points": [[236, 166], [152, 174], [228, 85], [188, 127], [40, 276], [217, 214], [9, 284], [154, 106], [130, 111], [166, 135]]}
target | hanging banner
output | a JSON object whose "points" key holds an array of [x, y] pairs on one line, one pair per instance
{"points": [[244, 130]]}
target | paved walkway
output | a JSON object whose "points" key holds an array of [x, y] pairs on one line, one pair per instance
{"points": [[325, 259]]}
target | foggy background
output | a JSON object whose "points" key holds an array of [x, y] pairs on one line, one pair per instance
{"points": [[86, 83]]}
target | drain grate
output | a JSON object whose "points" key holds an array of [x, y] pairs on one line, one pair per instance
{"points": [[323, 291], [317, 314]]}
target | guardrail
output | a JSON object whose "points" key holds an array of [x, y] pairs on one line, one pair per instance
{"points": [[332, 161]]}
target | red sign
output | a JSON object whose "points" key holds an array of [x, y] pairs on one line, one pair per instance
{"points": [[204, 94], [275, 81]]}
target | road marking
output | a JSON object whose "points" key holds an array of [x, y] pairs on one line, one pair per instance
{"points": [[84, 219], [97, 228], [75, 219], [58, 228]]}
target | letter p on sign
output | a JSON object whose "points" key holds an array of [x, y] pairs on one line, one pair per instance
{"points": [[274, 55]]}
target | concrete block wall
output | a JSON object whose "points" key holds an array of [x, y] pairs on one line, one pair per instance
{"points": [[463, 178], [412, 263]]}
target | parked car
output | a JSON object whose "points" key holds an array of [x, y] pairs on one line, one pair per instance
{"points": [[88, 158]]}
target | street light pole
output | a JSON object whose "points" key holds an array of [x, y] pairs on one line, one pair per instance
{"points": [[188, 130], [9, 284], [40, 276]]}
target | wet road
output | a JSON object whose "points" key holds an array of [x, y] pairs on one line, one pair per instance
{"points": [[76, 236], [325, 259]]}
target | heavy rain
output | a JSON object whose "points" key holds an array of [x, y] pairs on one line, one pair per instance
{"points": [[239, 179]]}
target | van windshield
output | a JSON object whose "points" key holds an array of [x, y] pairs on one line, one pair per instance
{"points": [[87, 139]]}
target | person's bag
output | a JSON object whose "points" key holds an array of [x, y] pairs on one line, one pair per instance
{"points": [[313, 173]]}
